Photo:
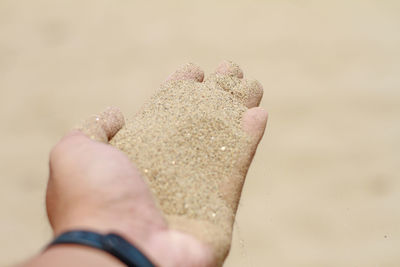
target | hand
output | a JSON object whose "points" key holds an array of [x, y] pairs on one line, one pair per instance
{"points": [[94, 186]]}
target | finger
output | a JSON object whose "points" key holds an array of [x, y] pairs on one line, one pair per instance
{"points": [[254, 123], [230, 68], [189, 71], [104, 126], [253, 91]]}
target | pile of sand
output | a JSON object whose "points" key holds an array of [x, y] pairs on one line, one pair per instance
{"points": [[187, 141]]}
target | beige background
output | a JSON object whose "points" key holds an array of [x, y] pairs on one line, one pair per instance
{"points": [[324, 188]]}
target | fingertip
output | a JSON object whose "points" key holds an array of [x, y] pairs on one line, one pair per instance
{"points": [[188, 71], [230, 68], [104, 126], [255, 93], [112, 120]]}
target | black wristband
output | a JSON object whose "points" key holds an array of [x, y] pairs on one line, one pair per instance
{"points": [[112, 243]]}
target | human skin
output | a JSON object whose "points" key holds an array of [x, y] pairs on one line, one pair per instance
{"points": [[94, 186]]}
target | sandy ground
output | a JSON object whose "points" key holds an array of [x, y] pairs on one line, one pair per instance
{"points": [[324, 189]]}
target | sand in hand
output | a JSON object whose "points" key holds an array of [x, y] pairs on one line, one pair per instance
{"points": [[193, 147]]}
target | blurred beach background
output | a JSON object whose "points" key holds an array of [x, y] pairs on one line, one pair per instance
{"points": [[324, 188]]}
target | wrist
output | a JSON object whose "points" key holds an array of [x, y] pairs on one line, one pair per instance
{"points": [[163, 247], [73, 255], [140, 236], [112, 243]]}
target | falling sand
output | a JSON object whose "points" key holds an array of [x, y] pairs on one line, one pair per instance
{"points": [[188, 143]]}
